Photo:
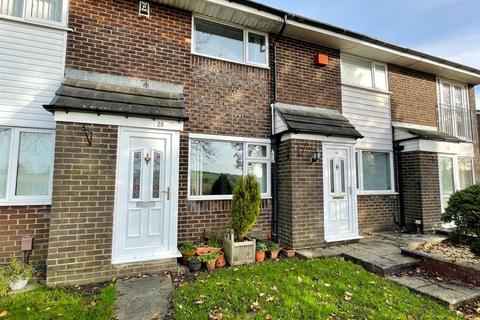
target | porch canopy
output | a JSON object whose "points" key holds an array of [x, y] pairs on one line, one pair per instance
{"points": [[405, 134], [78, 95], [313, 120]]}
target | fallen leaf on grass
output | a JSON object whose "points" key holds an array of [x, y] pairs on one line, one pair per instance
{"points": [[155, 315], [255, 306], [328, 285], [4, 314]]}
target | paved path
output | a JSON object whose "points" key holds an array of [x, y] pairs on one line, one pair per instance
{"points": [[140, 298], [449, 292], [379, 253]]}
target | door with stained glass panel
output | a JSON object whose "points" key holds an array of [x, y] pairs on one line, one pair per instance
{"points": [[340, 215], [144, 195]]}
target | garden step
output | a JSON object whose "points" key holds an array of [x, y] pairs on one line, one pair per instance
{"points": [[141, 298], [448, 292], [383, 265]]}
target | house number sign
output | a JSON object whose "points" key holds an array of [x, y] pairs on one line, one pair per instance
{"points": [[144, 9]]}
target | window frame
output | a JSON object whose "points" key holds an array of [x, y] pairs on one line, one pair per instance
{"points": [[456, 172], [465, 107], [246, 160], [245, 31], [359, 173], [28, 18], [10, 197], [373, 64]]}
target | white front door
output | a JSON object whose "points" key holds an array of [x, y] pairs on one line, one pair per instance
{"points": [[146, 196], [340, 207]]}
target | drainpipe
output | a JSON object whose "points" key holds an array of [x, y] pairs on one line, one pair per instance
{"points": [[275, 140], [397, 148]]}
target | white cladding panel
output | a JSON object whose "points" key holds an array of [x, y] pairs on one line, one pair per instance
{"points": [[31, 70], [369, 112]]}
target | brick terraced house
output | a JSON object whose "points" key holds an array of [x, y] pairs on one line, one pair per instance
{"points": [[124, 125]]}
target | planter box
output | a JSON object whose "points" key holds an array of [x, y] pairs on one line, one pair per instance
{"points": [[238, 253]]}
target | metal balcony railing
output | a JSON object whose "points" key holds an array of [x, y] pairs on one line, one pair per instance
{"points": [[457, 121]]}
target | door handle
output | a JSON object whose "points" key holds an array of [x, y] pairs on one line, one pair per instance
{"points": [[168, 193]]}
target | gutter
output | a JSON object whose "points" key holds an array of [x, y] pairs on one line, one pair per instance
{"points": [[355, 35], [275, 140]]}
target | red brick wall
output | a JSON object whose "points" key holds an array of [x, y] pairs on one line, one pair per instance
{"points": [[19, 221], [414, 96], [376, 212], [109, 37], [300, 81]]}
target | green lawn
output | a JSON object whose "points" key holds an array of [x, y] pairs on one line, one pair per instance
{"points": [[300, 289], [45, 304]]}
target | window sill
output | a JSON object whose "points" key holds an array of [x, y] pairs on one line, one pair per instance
{"points": [[260, 66], [366, 88], [16, 203], [376, 193], [36, 23]]}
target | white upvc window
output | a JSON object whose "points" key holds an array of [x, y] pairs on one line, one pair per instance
{"points": [[229, 42], [454, 114], [26, 166], [364, 73], [217, 162], [44, 11], [456, 173], [374, 170]]}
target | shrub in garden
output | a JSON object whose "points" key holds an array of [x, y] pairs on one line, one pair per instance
{"points": [[464, 210], [245, 205]]}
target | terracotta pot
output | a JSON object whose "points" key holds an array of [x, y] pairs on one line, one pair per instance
{"points": [[273, 255], [260, 256], [289, 253], [194, 266], [221, 262], [186, 256], [210, 266], [203, 250]]}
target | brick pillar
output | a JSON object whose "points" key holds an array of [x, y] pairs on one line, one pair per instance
{"points": [[300, 196], [421, 189]]}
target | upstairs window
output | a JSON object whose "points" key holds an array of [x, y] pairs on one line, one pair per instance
{"points": [[455, 116], [50, 11], [229, 43], [364, 73]]}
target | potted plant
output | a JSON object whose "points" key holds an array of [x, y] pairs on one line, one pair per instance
{"points": [[215, 244], [202, 249], [18, 274], [239, 249], [221, 262], [187, 250], [194, 263], [260, 251], [209, 259], [273, 249]]}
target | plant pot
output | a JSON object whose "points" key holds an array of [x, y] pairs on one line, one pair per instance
{"points": [[221, 262], [203, 250], [195, 266], [18, 284], [186, 256], [239, 253], [210, 266], [287, 252], [273, 255], [215, 249], [260, 256]]}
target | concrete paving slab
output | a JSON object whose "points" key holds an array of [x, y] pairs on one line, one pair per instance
{"points": [[448, 292], [139, 298]]}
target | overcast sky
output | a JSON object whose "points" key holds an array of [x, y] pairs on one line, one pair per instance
{"points": [[446, 28]]}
